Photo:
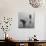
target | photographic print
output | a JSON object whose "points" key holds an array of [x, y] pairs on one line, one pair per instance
{"points": [[26, 20]]}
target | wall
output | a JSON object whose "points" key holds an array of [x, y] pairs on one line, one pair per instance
{"points": [[11, 8]]}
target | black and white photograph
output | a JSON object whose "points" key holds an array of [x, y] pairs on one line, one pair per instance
{"points": [[26, 20]]}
